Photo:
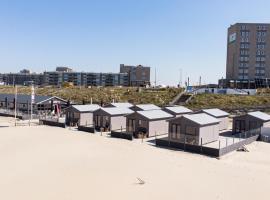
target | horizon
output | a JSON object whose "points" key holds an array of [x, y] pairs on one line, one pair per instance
{"points": [[97, 36]]}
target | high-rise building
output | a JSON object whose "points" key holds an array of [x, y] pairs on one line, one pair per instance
{"points": [[248, 55], [138, 75]]}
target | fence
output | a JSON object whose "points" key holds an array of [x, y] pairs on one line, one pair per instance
{"points": [[265, 134], [19, 114], [121, 133], [52, 121], [88, 128], [216, 149]]}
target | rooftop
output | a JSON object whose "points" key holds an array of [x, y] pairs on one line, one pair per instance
{"points": [[202, 119], [148, 107], [216, 112], [117, 111], [260, 115], [122, 105], [179, 109], [86, 108], [155, 114]]}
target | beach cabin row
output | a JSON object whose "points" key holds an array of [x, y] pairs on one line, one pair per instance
{"points": [[149, 120]]}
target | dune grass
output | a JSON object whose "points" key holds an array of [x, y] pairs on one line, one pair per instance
{"points": [[228, 101], [159, 97]]}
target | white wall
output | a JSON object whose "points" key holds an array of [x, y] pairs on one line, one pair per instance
{"points": [[158, 127], [118, 122], [224, 123], [86, 119], [209, 133]]}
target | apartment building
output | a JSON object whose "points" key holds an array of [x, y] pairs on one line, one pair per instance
{"points": [[138, 75], [86, 78], [22, 78], [248, 55]]}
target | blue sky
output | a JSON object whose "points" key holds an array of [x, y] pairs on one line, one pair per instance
{"points": [[98, 35]]}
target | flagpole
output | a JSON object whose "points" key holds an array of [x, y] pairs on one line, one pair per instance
{"points": [[32, 101], [15, 106]]}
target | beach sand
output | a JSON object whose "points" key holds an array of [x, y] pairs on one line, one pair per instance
{"points": [[49, 163]]}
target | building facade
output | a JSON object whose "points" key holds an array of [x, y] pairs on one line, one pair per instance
{"points": [[248, 55], [138, 75], [23, 79]]}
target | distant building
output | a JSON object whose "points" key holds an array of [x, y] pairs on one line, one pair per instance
{"points": [[63, 69], [248, 61], [138, 75], [86, 79], [25, 71], [41, 103], [23, 79]]}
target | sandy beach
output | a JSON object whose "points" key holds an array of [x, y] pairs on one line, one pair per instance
{"points": [[41, 163]]}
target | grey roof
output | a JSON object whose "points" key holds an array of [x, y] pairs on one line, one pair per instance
{"points": [[202, 119], [155, 114], [86, 108], [117, 111], [178, 109], [148, 107], [216, 112], [122, 105], [24, 98], [260, 115]]}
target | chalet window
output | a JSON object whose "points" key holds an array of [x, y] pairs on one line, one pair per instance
{"points": [[175, 131], [190, 130]]}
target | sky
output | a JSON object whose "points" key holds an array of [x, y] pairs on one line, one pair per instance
{"points": [[99, 35]]}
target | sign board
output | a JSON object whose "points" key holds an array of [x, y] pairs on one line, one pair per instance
{"points": [[232, 37]]}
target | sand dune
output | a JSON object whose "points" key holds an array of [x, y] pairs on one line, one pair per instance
{"points": [[40, 162]]}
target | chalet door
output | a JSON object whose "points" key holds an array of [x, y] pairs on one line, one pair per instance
{"points": [[131, 125], [240, 126]]}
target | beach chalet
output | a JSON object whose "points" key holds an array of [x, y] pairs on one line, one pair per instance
{"points": [[177, 111], [111, 118], [194, 129], [120, 105], [41, 103], [143, 107], [221, 115], [148, 123], [250, 121], [81, 115]]}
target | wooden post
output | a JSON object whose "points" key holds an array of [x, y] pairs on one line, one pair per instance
{"points": [[185, 143], [155, 138], [201, 146], [239, 137], [219, 144]]}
